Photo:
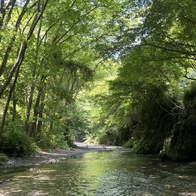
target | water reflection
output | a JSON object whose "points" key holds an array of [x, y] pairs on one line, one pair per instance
{"points": [[115, 173]]}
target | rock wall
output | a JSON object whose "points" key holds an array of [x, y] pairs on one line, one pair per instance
{"points": [[181, 145]]}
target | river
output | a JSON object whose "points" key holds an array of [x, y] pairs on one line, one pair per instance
{"points": [[116, 173]]}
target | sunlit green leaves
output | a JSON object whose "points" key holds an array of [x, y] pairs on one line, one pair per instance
{"points": [[60, 59]]}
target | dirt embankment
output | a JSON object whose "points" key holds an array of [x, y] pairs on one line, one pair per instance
{"points": [[57, 155]]}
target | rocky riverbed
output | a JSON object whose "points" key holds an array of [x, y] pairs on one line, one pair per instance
{"points": [[56, 155]]}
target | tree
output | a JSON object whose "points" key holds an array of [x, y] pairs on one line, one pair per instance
{"points": [[157, 53], [169, 28], [12, 69], [48, 53]]}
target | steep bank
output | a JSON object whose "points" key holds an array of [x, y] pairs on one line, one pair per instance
{"points": [[181, 145]]}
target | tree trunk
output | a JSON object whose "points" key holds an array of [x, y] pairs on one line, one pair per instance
{"points": [[37, 107], [14, 111], [14, 68], [29, 106], [35, 115], [23, 47], [51, 127], [41, 110], [7, 104]]}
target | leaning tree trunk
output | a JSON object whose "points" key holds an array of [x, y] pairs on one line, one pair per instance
{"points": [[23, 46], [7, 105]]}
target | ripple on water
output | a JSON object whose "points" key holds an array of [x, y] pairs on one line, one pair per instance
{"points": [[104, 174]]}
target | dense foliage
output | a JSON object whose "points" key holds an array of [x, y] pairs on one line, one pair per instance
{"points": [[147, 108], [118, 72], [48, 54]]}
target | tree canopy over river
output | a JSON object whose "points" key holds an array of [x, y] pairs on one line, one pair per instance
{"points": [[116, 72]]}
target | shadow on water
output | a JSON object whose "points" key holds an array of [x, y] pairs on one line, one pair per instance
{"points": [[117, 173]]}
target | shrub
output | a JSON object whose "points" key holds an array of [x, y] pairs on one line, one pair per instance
{"points": [[3, 158], [49, 141], [17, 143], [129, 143]]}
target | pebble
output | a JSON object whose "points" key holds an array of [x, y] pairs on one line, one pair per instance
{"points": [[6, 181]]}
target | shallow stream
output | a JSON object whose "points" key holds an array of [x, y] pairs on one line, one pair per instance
{"points": [[117, 173]]}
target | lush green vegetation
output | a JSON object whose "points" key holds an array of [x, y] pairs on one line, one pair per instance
{"points": [[3, 158], [48, 54], [115, 72]]}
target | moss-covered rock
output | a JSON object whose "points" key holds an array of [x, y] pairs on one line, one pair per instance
{"points": [[151, 142], [181, 146]]}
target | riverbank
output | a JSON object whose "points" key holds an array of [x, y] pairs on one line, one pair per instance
{"points": [[56, 155]]}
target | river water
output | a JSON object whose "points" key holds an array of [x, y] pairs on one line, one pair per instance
{"points": [[116, 173]]}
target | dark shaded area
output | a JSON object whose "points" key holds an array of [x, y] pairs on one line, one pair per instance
{"points": [[181, 145]]}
